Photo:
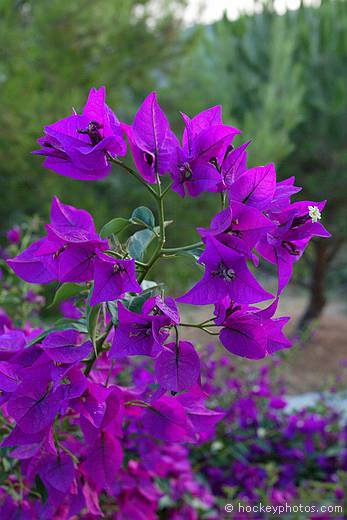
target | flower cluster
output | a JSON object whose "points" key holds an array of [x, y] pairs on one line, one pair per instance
{"points": [[259, 453], [257, 220], [265, 453], [65, 433], [61, 388]]}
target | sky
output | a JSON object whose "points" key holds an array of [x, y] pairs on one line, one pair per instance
{"points": [[214, 8]]}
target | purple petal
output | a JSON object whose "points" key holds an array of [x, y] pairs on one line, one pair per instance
{"points": [[178, 366], [152, 133], [63, 347], [133, 335], [167, 420], [8, 377], [58, 472], [66, 219], [245, 337], [203, 120], [113, 278], [255, 187], [213, 141], [32, 268], [11, 342], [103, 461], [144, 160], [76, 264], [234, 164], [34, 410]]}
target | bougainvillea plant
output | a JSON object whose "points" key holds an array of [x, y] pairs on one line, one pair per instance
{"points": [[62, 391]]}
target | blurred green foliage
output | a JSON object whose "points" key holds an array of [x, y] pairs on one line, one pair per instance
{"points": [[51, 53], [282, 81]]}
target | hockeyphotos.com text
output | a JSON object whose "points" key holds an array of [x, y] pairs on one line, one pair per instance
{"points": [[286, 508]]}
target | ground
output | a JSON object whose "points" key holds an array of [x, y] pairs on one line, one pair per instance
{"points": [[310, 366]]}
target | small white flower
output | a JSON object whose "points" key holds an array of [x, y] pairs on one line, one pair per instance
{"points": [[216, 446], [314, 213], [261, 432]]}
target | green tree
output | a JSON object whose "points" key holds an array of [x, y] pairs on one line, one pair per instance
{"points": [[51, 53], [319, 158]]}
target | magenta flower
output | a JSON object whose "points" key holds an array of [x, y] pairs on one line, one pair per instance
{"points": [[79, 146], [72, 403], [254, 187], [239, 227], [203, 419], [138, 334], [234, 163], [113, 278], [283, 192], [8, 377], [66, 347], [102, 461], [68, 309], [205, 141], [66, 254], [151, 140], [226, 274], [178, 366], [13, 235], [295, 227], [33, 266], [35, 406], [166, 419], [250, 332]]}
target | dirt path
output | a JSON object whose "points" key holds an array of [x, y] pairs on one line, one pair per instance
{"points": [[308, 367]]}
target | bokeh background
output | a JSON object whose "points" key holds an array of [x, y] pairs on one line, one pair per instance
{"points": [[278, 68]]}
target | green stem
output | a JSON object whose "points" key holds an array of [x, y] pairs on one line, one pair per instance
{"points": [[98, 346], [134, 174], [137, 402], [182, 248], [201, 326], [166, 189], [109, 373], [161, 239], [204, 323], [74, 458], [194, 325]]}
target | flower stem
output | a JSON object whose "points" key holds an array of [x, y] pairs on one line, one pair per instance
{"points": [[98, 344], [201, 326], [161, 239], [134, 174], [182, 248]]}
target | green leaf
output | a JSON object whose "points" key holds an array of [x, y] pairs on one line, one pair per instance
{"points": [[113, 310], [92, 324], [135, 303], [114, 226], [64, 324], [195, 252], [139, 242], [149, 284], [143, 216], [66, 291], [41, 488]]}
